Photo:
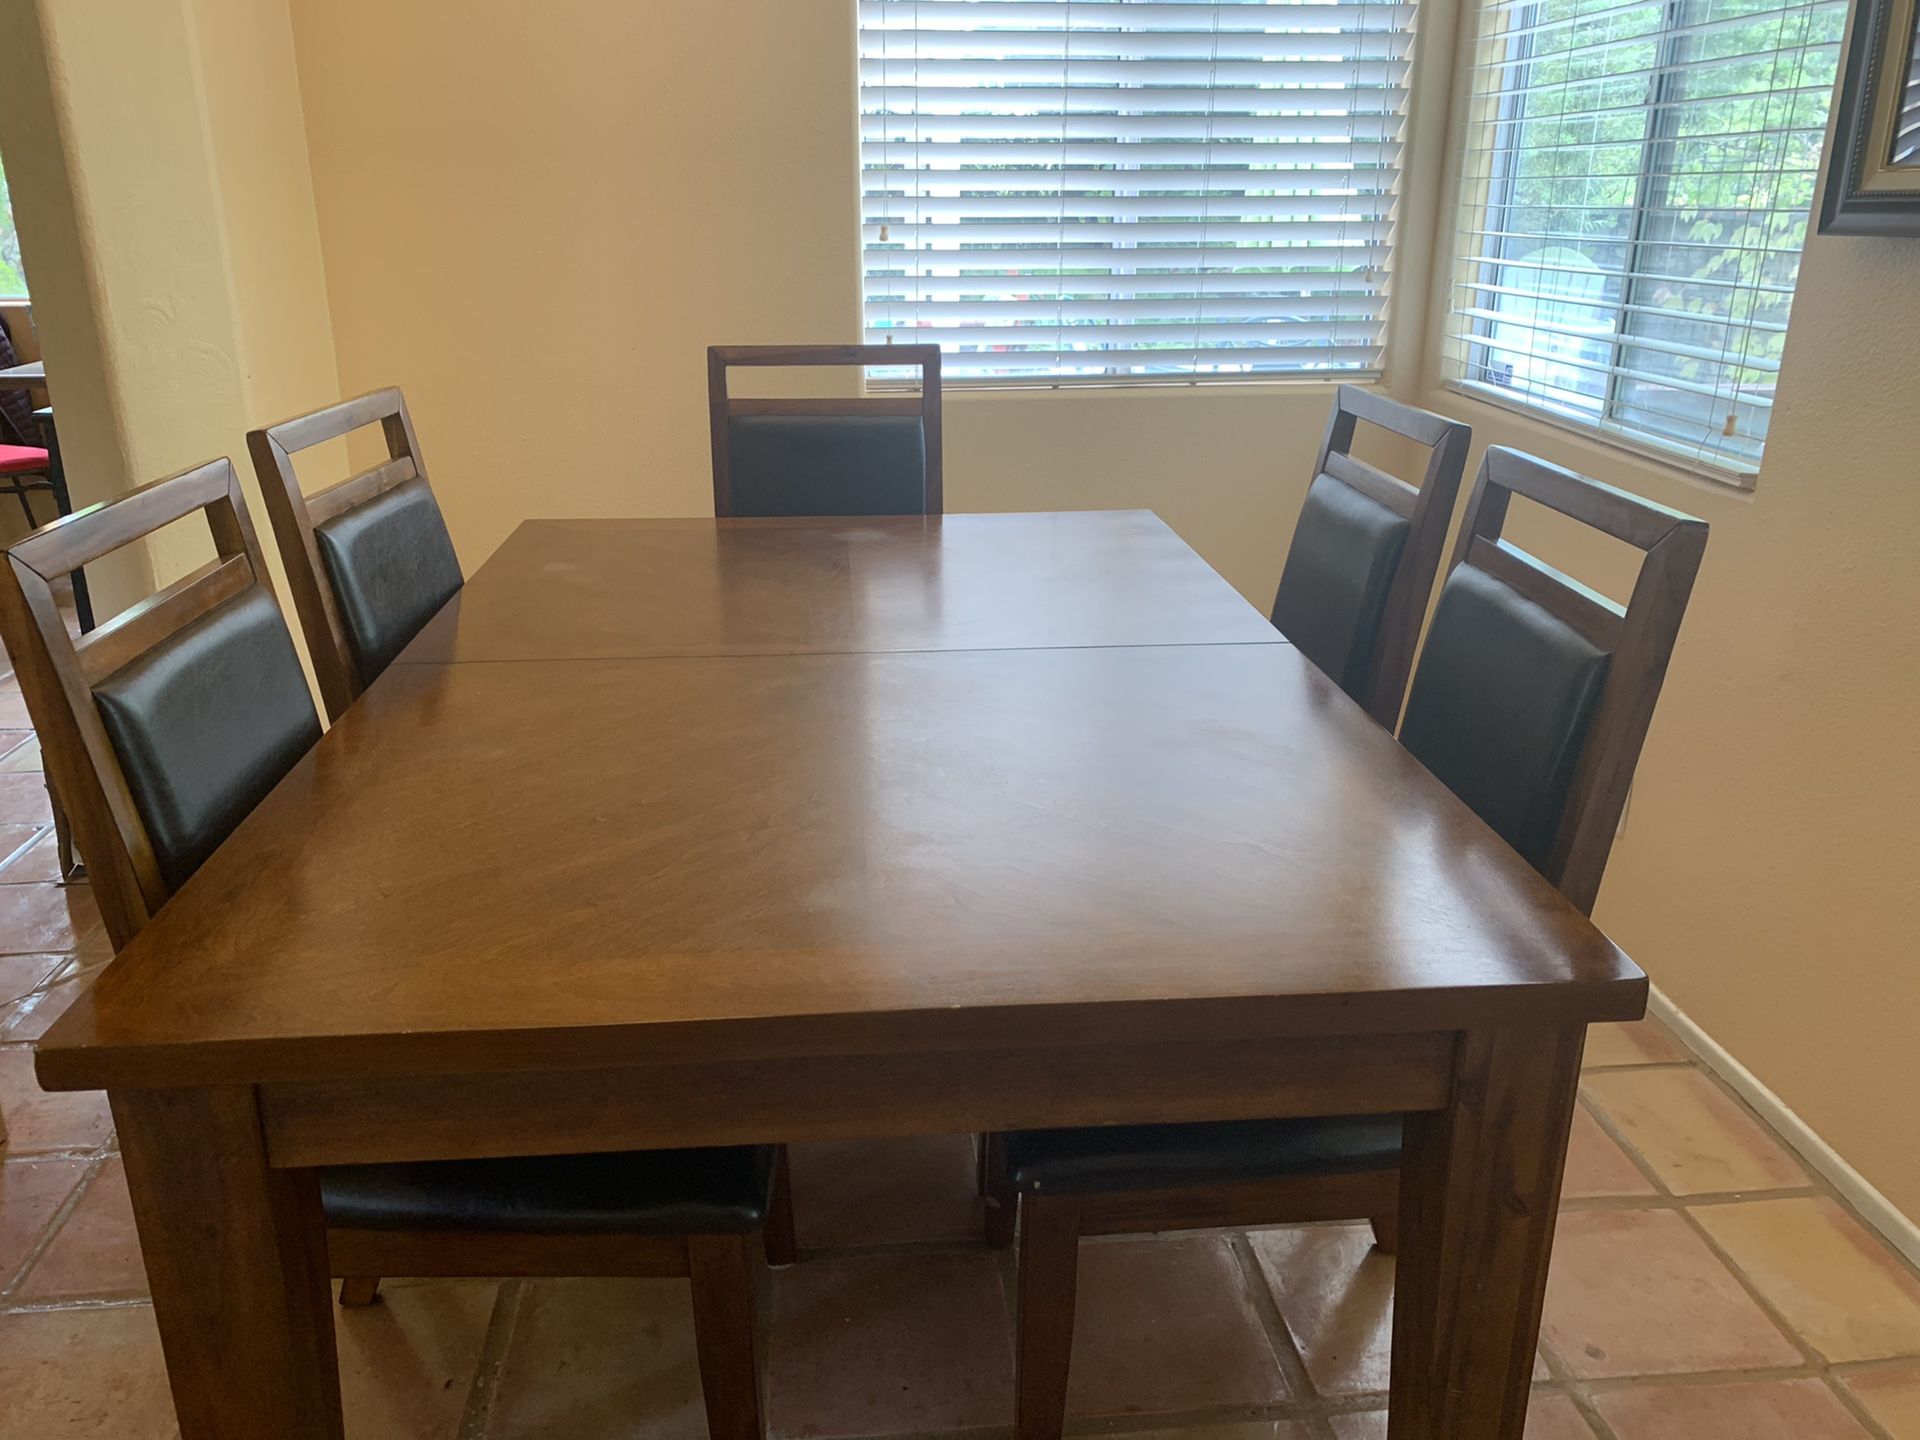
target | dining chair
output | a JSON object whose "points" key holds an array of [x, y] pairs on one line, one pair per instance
{"points": [[165, 727], [25, 464], [857, 455], [1365, 548], [23, 470], [1360, 567], [1531, 702], [368, 560]]}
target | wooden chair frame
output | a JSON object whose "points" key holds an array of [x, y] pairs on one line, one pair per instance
{"points": [[1640, 635], [294, 514], [57, 674], [1427, 508], [58, 670], [720, 1269], [721, 409]]}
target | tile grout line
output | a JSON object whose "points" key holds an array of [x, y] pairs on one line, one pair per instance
{"points": [[1817, 1362], [1818, 1367], [1563, 1376], [42, 828], [1851, 1403], [476, 1417], [1862, 1199], [40, 986], [1293, 1364], [1599, 1116], [55, 1224], [1819, 1183]]}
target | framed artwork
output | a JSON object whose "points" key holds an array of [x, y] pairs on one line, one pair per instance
{"points": [[1873, 175]]}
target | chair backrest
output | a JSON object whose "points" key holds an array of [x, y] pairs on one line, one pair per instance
{"points": [[862, 455], [369, 560], [1365, 550], [165, 726], [1534, 693]]}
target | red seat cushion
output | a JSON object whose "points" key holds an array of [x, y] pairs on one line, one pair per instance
{"points": [[21, 459]]}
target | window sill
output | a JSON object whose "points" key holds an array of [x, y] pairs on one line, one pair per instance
{"points": [[1040, 385], [1673, 458]]}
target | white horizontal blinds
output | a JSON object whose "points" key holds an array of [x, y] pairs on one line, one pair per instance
{"points": [[1905, 149], [1064, 189], [1637, 190]]}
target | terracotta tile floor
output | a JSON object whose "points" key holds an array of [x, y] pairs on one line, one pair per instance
{"points": [[1705, 1287]]}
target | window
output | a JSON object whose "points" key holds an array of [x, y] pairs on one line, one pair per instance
{"points": [[1069, 190], [1906, 125], [1636, 193], [13, 283]]}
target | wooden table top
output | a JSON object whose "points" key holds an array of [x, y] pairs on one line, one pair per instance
{"points": [[31, 376], [557, 864], [598, 589]]}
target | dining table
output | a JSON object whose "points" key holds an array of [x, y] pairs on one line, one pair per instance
{"points": [[690, 832]]}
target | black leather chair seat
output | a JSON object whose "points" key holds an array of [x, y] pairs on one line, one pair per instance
{"points": [[640, 1192], [1161, 1157]]}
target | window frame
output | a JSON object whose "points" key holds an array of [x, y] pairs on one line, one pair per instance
{"points": [[1654, 186], [1116, 375]]}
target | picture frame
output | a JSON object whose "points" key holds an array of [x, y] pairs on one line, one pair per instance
{"points": [[1873, 171]]}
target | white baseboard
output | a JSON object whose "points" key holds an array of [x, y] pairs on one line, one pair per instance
{"points": [[1878, 1211]]}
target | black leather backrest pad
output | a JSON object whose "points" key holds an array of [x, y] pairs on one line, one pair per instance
{"points": [[1346, 549], [392, 566], [205, 724], [1500, 707], [827, 465]]}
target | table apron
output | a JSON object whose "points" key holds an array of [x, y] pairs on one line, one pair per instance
{"points": [[850, 1096]]}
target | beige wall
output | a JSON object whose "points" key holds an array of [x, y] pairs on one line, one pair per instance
{"points": [[537, 219], [257, 152], [51, 209], [158, 163]]}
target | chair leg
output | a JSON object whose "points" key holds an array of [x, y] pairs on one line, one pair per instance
{"points": [[1049, 1273], [1386, 1232], [70, 868], [359, 1291], [782, 1246], [1003, 1202], [721, 1268]]}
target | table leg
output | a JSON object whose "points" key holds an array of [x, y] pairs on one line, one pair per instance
{"points": [[236, 1255], [1479, 1193]]}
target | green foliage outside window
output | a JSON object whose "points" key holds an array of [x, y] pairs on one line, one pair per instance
{"points": [[13, 283], [1649, 185]]}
